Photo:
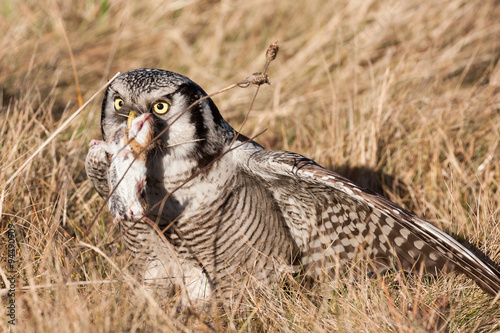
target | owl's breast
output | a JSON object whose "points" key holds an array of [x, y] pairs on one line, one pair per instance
{"points": [[179, 187]]}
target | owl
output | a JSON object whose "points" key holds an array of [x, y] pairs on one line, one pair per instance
{"points": [[231, 210]]}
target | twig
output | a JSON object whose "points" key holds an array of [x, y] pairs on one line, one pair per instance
{"points": [[258, 79]]}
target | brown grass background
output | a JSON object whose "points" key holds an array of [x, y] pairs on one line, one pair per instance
{"points": [[401, 96]]}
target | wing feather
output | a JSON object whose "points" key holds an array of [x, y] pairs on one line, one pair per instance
{"points": [[330, 216]]}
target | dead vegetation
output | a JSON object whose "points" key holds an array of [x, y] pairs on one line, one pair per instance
{"points": [[399, 95]]}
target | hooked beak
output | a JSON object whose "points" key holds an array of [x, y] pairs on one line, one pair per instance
{"points": [[131, 117]]}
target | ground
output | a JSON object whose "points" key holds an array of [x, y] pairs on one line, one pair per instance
{"points": [[401, 96]]}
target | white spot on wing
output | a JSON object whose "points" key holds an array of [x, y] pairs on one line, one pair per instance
{"points": [[386, 229], [399, 241], [419, 244], [339, 248], [404, 232]]}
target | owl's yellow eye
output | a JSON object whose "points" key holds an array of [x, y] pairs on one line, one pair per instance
{"points": [[118, 103], [160, 107]]}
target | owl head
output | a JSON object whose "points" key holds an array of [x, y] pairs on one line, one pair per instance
{"points": [[199, 132]]}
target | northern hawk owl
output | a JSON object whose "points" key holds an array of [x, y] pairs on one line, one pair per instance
{"points": [[230, 208]]}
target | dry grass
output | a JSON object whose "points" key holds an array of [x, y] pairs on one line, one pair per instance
{"points": [[400, 91]]}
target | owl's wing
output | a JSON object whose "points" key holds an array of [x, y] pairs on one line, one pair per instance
{"points": [[330, 217], [96, 166]]}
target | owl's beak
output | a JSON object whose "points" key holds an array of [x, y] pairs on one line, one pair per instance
{"points": [[131, 117]]}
